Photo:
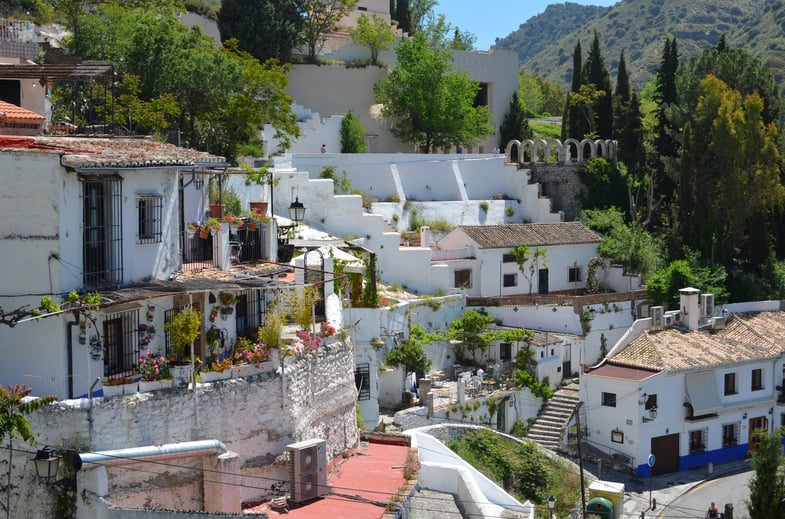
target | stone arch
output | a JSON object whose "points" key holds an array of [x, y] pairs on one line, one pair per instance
{"points": [[526, 154], [582, 155], [601, 148], [513, 144], [559, 150], [570, 145]]}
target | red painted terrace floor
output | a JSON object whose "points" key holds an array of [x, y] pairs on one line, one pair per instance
{"points": [[361, 483]]}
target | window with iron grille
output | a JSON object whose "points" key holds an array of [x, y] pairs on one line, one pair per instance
{"points": [[511, 280], [508, 258], [575, 274], [698, 439], [150, 211], [120, 344], [168, 315], [250, 310], [463, 278], [362, 379], [505, 351], [609, 399], [730, 434], [102, 231]]}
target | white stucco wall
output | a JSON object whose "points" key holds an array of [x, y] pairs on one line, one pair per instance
{"points": [[250, 416]]}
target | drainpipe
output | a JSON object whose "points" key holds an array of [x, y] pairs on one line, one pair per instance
{"points": [[90, 409], [169, 451], [70, 353]]}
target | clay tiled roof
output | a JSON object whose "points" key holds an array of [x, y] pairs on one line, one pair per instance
{"points": [[746, 337], [101, 154], [530, 234], [11, 112]]}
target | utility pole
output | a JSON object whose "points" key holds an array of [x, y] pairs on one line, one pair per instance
{"points": [[580, 458]]}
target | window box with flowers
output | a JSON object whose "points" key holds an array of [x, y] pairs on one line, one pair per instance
{"points": [[154, 371], [250, 358], [191, 228], [213, 225], [217, 370], [234, 222]]}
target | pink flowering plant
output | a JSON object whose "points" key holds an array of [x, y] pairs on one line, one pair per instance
{"points": [[326, 329], [251, 354], [153, 367]]}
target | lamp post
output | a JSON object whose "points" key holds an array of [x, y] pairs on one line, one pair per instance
{"points": [[551, 505], [296, 211], [46, 464]]}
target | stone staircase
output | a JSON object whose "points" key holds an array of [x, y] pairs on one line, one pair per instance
{"points": [[549, 428]]}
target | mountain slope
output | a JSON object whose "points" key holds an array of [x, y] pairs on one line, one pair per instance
{"points": [[639, 28]]}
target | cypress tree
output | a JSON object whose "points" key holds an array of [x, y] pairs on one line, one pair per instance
{"points": [[515, 125], [402, 15], [596, 73], [572, 127], [665, 95], [627, 124]]}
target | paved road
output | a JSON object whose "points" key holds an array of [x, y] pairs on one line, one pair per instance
{"points": [[732, 489]]}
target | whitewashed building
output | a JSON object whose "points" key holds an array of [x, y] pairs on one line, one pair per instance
{"points": [[689, 386]]}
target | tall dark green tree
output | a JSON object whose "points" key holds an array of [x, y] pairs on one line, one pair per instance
{"points": [[596, 73], [575, 126], [265, 28], [515, 125], [767, 486], [402, 15], [666, 143]]}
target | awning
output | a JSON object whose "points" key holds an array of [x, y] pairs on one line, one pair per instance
{"points": [[702, 392]]}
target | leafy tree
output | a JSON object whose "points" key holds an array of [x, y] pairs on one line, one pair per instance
{"points": [[604, 185], [664, 285], [463, 40], [264, 28], [434, 104], [524, 255], [377, 34], [410, 354], [539, 95], [14, 407], [419, 10], [471, 329], [515, 125], [627, 244], [731, 130], [321, 20], [767, 486], [352, 134], [585, 102]]}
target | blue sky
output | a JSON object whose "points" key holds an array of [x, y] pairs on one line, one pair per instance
{"points": [[491, 19]]}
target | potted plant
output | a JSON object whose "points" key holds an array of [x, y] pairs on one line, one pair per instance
{"points": [[119, 385], [184, 329], [191, 228], [213, 225], [227, 298], [154, 371], [213, 337], [234, 222]]}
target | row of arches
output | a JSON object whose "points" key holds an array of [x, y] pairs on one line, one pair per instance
{"points": [[551, 151]]}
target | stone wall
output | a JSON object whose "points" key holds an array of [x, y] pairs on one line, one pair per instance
{"points": [[255, 417], [560, 183]]}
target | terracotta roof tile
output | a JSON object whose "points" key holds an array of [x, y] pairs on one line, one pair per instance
{"points": [[746, 337], [11, 112], [90, 153], [530, 234]]}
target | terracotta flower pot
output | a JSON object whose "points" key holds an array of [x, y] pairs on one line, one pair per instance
{"points": [[252, 227], [204, 232], [216, 210], [259, 208]]}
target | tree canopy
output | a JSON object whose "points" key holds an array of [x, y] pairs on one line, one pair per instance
{"points": [[432, 104], [265, 29], [322, 18], [376, 33]]}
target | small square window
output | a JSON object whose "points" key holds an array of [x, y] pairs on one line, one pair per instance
{"points": [[463, 278], [508, 258], [698, 440], [609, 399], [650, 402], [511, 280], [575, 274]]}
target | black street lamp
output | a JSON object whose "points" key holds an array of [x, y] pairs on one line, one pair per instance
{"points": [[296, 211], [551, 505], [46, 464]]}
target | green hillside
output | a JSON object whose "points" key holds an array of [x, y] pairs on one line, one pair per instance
{"points": [[639, 28]]}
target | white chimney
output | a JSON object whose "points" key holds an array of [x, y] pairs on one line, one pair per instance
{"points": [[689, 299], [425, 236]]}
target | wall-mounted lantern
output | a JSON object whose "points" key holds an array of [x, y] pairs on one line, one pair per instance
{"points": [[46, 464]]}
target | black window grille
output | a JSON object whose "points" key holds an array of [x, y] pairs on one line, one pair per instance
{"points": [[168, 315], [121, 344], [609, 399], [508, 258], [730, 434], [698, 439], [505, 351], [362, 379], [250, 309], [102, 225], [150, 211], [511, 280], [463, 278], [575, 274]]}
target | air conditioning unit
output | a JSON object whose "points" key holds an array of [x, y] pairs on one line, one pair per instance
{"points": [[676, 317], [656, 316], [667, 320], [707, 305], [307, 470]]}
